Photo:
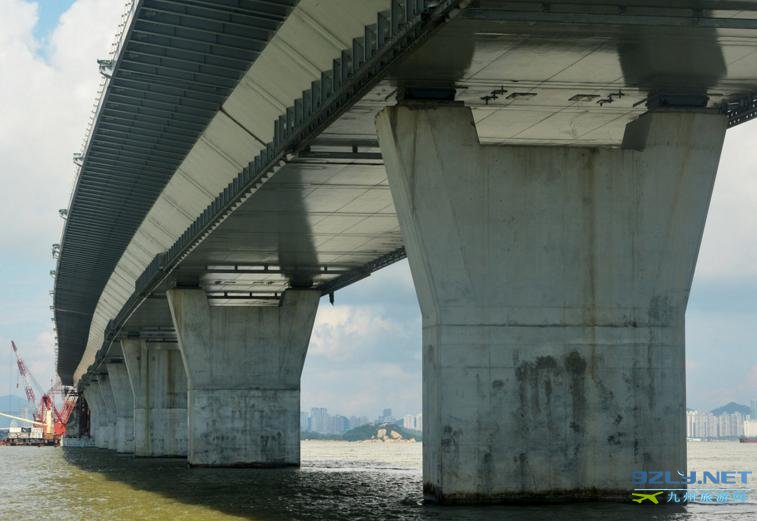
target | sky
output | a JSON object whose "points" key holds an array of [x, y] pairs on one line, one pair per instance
{"points": [[365, 351]]}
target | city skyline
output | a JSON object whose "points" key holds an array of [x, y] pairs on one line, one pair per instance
{"points": [[705, 425], [318, 420], [752, 404]]}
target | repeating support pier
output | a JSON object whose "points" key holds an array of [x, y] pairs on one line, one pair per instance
{"points": [[98, 428], [124, 401], [553, 283], [107, 412], [159, 385], [243, 367]]}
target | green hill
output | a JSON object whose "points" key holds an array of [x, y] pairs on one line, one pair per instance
{"points": [[732, 407], [386, 431], [310, 435]]}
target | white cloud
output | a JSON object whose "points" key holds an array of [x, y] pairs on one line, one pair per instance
{"points": [[365, 356], [370, 388], [45, 104], [46, 95], [37, 356], [751, 380], [721, 362], [20, 18], [340, 330], [396, 277], [729, 245]]}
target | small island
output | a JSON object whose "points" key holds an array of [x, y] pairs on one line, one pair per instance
{"points": [[383, 432]]}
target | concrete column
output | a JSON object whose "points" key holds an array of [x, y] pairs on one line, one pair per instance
{"points": [[102, 429], [553, 283], [243, 369], [88, 393], [159, 386], [124, 402], [108, 410]]}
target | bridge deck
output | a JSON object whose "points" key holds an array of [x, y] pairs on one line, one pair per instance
{"points": [[315, 205]]}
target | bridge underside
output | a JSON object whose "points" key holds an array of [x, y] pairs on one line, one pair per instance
{"points": [[176, 63], [565, 93], [326, 217], [327, 214]]}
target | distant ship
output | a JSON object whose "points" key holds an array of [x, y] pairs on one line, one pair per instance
{"points": [[748, 439]]}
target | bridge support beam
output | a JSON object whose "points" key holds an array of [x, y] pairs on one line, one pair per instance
{"points": [[159, 386], [243, 367], [124, 402], [108, 412], [553, 283]]}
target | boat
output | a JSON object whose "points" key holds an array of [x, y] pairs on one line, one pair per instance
{"points": [[48, 424], [35, 435]]}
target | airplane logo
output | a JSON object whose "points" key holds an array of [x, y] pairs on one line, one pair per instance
{"points": [[645, 497]]}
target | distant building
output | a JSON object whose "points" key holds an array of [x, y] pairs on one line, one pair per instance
{"points": [[319, 419], [413, 421], [357, 421], [705, 425], [386, 416], [750, 428], [731, 425], [754, 410], [338, 425]]}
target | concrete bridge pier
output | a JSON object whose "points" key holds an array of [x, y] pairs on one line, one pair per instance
{"points": [[124, 406], [92, 395], [107, 412], [159, 387], [243, 367], [553, 283]]}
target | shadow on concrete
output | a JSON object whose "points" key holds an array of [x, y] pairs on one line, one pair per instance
{"points": [[329, 491]]}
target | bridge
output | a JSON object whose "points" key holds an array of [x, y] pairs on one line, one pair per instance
{"points": [[546, 168]]}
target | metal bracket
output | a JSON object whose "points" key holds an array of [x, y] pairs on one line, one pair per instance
{"points": [[656, 101], [435, 94]]}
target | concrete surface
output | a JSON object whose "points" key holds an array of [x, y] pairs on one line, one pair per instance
{"points": [[307, 43], [159, 384], [243, 367], [107, 411], [90, 392], [100, 430], [553, 283], [124, 401]]}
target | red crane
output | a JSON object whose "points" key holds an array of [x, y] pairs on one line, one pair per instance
{"points": [[47, 412], [25, 375]]}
